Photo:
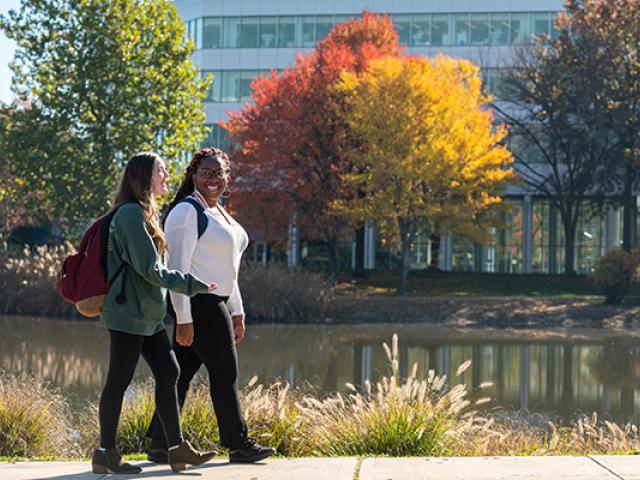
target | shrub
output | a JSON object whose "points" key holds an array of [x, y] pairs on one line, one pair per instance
{"points": [[34, 420], [277, 292], [272, 292], [613, 274]]}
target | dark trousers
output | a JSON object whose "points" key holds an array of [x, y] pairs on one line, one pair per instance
{"points": [[124, 351], [214, 345]]}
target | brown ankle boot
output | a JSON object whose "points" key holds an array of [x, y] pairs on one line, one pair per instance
{"points": [[110, 461], [185, 455]]}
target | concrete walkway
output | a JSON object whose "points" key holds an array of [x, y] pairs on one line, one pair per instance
{"points": [[461, 468]]}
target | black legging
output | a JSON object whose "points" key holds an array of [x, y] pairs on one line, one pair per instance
{"points": [[213, 345], [125, 350]]}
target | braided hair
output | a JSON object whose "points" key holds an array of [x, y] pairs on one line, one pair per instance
{"points": [[187, 186]]}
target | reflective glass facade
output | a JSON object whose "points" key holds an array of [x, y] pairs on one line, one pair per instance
{"points": [[414, 29], [233, 86], [598, 230]]}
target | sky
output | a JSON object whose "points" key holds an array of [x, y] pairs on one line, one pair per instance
{"points": [[7, 48]]}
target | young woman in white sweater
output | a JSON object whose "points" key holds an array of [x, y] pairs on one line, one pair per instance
{"points": [[208, 326]]}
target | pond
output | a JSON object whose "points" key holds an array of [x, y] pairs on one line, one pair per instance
{"points": [[557, 372]]}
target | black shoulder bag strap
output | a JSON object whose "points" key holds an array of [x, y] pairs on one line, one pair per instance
{"points": [[202, 217]]}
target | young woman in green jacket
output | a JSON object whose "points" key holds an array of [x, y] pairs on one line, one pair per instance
{"points": [[134, 312]]}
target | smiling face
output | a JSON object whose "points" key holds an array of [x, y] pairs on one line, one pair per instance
{"points": [[211, 179], [159, 178]]}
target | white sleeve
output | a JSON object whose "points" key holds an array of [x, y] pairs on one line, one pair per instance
{"points": [[235, 302], [181, 233]]}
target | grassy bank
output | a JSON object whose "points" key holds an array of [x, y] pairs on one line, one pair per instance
{"points": [[469, 284], [415, 416]]}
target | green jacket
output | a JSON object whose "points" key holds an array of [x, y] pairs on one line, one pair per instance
{"points": [[145, 275]]}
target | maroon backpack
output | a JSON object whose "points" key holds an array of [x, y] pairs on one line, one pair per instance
{"points": [[83, 280]]}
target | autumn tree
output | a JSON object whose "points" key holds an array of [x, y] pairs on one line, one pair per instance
{"points": [[103, 79], [606, 35], [430, 158], [293, 145]]}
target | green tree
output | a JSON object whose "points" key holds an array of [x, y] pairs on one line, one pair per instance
{"points": [[103, 78], [429, 157]]}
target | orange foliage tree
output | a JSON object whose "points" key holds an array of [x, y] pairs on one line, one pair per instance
{"points": [[293, 144], [431, 159]]}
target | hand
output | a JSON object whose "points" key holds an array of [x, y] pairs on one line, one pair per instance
{"points": [[238, 327], [184, 334], [212, 287]]}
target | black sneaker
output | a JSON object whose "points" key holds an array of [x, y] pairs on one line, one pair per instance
{"points": [[158, 455], [250, 452]]}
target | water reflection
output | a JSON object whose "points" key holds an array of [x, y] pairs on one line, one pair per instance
{"points": [[546, 371]]}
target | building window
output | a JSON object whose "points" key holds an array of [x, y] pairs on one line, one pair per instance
{"points": [[214, 92], [495, 81], [403, 26], [287, 32], [440, 30], [420, 31], [504, 253], [212, 33], [416, 30], [520, 31], [268, 31], [324, 24], [230, 86], [499, 29], [462, 256], [308, 31], [461, 29], [246, 77], [249, 32], [479, 29], [231, 32], [541, 24], [216, 137]]}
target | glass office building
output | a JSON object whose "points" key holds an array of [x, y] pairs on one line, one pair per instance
{"points": [[237, 40]]}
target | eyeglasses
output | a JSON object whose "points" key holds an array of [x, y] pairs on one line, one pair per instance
{"points": [[210, 174]]}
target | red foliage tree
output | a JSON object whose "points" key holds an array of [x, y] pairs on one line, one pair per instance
{"points": [[293, 145]]}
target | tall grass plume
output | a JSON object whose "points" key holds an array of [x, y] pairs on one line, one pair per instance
{"points": [[34, 419]]}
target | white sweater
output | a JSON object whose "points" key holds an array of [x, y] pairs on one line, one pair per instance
{"points": [[215, 257]]}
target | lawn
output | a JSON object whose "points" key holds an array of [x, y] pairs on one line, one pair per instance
{"points": [[430, 283]]}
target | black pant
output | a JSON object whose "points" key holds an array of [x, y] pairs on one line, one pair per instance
{"points": [[125, 350], [214, 345]]}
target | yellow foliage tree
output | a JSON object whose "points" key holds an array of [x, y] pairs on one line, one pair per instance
{"points": [[430, 157]]}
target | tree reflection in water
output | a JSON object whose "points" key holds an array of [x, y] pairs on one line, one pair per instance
{"points": [[553, 372]]}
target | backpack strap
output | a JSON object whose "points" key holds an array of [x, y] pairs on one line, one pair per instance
{"points": [[202, 217]]}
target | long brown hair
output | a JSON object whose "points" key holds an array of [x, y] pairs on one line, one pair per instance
{"points": [[187, 186], [135, 186]]}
